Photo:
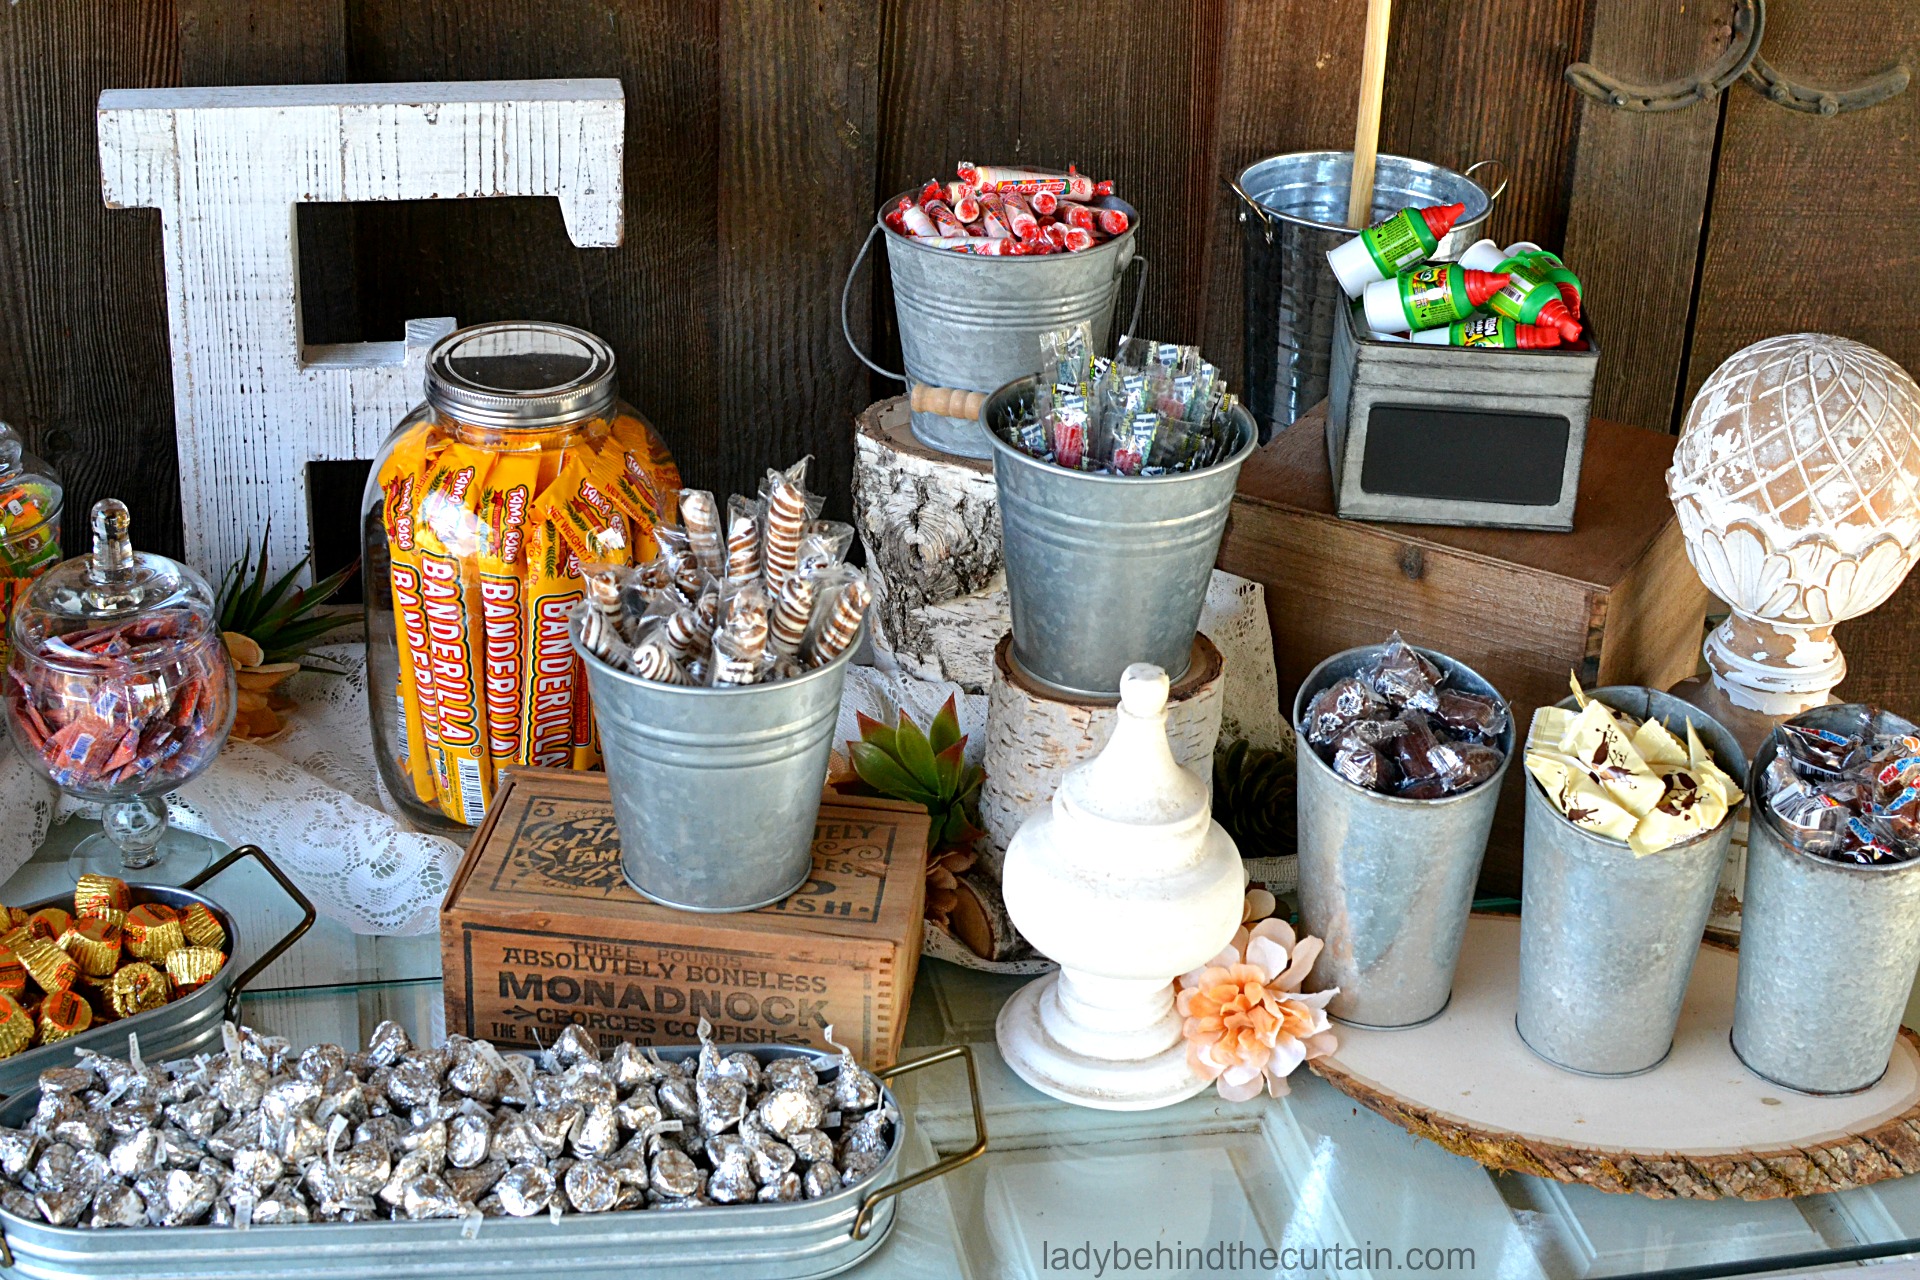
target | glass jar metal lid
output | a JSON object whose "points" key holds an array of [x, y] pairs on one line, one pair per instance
{"points": [[521, 373]]}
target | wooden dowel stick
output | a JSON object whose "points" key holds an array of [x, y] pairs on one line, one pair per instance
{"points": [[1366, 124]]}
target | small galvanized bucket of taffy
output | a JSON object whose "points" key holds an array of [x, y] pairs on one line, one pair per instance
{"points": [[715, 671]]}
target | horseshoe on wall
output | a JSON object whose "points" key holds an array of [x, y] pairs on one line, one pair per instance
{"points": [[1761, 77], [1742, 61], [1749, 25]]}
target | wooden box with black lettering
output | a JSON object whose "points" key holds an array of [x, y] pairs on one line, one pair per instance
{"points": [[540, 929]]}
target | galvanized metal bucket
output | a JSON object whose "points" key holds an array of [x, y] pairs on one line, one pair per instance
{"points": [[1386, 881], [1608, 940], [715, 790], [1102, 570], [180, 1028], [1828, 952], [1295, 209], [974, 323]]}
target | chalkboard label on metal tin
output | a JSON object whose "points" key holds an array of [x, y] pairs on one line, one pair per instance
{"points": [[1468, 455]]}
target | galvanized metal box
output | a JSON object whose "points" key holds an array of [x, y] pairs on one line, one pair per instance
{"points": [[1456, 435]]}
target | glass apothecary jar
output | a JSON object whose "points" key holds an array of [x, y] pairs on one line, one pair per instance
{"points": [[522, 465], [30, 504], [119, 689]]}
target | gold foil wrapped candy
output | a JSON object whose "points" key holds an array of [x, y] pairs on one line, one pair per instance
{"points": [[203, 927], [49, 923], [153, 931], [49, 966], [94, 944], [63, 1014], [16, 1027], [96, 895], [192, 967], [136, 988], [13, 974]]}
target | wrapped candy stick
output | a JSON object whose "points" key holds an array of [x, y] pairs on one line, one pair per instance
{"points": [[743, 538], [1019, 216], [984, 178], [700, 516], [842, 623], [792, 612]]}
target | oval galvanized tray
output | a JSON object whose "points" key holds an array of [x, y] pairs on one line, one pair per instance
{"points": [[181, 1027], [803, 1241]]}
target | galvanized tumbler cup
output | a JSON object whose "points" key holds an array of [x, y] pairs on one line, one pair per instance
{"points": [[715, 790], [1607, 939], [1103, 570], [1387, 881], [1828, 951]]}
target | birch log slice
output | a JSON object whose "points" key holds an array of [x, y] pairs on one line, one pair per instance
{"points": [[1034, 737], [1699, 1126], [930, 523]]}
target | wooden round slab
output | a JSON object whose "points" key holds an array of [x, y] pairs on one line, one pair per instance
{"points": [[1699, 1126]]}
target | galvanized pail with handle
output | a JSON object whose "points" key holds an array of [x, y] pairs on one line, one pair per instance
{"points": [[1102, 570], [1828, 950], [715, 790], [1387, 881], [1294, 209], [1607, 939], [973, 323]]}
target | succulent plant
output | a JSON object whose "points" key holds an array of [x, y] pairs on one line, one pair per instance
{"points": [[278, 619], [1253, 798], [926, 768]]}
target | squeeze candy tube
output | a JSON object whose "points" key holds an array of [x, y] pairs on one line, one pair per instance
{"points": [[1527, 299], [1491, 331], [505, 510], [1407, 239], [1429, 296], [1548, 267], [447, 532]]}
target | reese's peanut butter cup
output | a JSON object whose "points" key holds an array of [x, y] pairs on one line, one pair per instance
{"points": [[96, 895], [13, 917], [63, 1014], [16, 1027], [136, 988], [47, 964], [13, 974], [153, 930], [192, 967], [49, 923], [203, 927], [94, 944]]}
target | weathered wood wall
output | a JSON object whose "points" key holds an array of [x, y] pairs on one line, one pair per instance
{"points": [[762, 134]]}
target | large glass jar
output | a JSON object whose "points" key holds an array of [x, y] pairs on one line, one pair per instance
{"points": [[30, 500], [119, 690], [483, 505]]}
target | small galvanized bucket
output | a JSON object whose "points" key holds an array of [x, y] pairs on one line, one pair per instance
{"points": [[1828, 951], [1103, 570], [974, 323], [1608, 940], [1295, 209], [715, 790], [1387, 881]]}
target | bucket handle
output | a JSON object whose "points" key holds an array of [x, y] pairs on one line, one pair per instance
{"points": [[1501, 165], [1259, 211], [846, 291], [292, 890], [863, 1221]]}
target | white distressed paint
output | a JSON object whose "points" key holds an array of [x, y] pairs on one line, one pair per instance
{"points": [[225, 166]]}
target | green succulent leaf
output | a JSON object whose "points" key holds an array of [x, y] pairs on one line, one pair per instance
{"points": [[871, 730], [944, 732], [883, 773], [916, 754], [951, 764]]}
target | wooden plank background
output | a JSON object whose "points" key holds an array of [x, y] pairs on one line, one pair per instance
{"points": [[762, 135]]}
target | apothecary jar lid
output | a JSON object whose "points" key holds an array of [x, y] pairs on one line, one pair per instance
{"points": [[521, 373]]}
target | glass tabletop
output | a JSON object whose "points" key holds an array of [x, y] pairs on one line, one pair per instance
{"points": [[1309, 1185]]}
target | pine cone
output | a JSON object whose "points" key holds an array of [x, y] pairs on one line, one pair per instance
{"points": [[1253, 798]]}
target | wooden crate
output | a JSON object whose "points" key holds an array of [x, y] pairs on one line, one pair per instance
{"points": [[1614, 601], [540, 930]]}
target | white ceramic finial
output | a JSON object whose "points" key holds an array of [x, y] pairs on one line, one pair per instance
{"points": [[1128, 882]]}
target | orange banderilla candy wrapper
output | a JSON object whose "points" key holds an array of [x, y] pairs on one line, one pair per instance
{"points": [[647, 464], [418, 711], [505, 511], [448, 533], [592, 523], [553, 588]]}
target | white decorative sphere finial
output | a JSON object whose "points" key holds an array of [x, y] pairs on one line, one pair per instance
{"points": [[1143, 690], [1797, 483]]}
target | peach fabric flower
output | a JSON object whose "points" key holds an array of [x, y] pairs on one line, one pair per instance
{"points": [[1248, 1025]]}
